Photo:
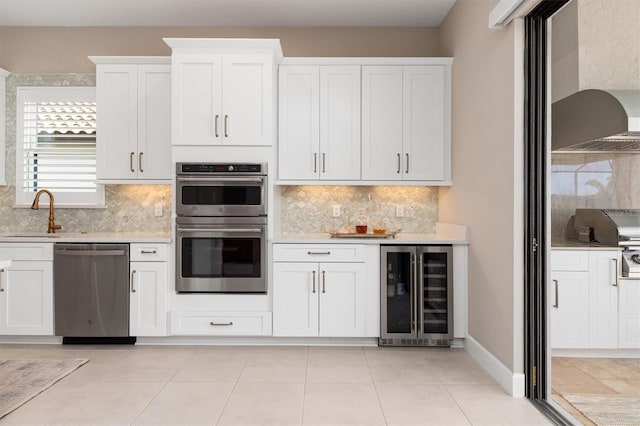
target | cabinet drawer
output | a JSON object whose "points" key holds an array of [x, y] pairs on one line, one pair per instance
{"points": [[26, 251], [567, 260], [221, 323], [148, 252], [318, 253]]}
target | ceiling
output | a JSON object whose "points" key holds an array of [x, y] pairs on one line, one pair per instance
{"points": [[298, 13]]}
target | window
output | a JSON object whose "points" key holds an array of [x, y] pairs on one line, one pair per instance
{"points": [[56, 145]]}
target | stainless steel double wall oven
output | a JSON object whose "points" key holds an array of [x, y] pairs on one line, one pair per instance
{"points": [[221, 228]]}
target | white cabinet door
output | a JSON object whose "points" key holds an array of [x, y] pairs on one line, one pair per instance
{"points": [[26, 298], [154, 123], [196, 99], [339, 123], [341, 290], [117, 131], [148, 306], [382, 122], [568, 301], [247, 94], [423, 135], [299, 131], [603, 299], [629, 314], [295, 299]]}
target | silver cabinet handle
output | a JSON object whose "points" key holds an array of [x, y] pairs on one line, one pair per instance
{"points": [[314, 282], [221, 323], [407, 171], [615, 272], [318, 252], [324, 163], [413, 286], [323, 282], [555, 282], [140, 162], [315, 162], [133, 274], [1, 274], [148, 252], [131, 161], [215, 125], [398, 171], [226, 118]]}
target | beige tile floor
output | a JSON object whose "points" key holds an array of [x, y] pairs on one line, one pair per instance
{"points": [[142, 385]]}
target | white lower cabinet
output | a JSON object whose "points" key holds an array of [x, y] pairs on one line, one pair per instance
{"points": [[569, 309], [583, 299], [629, 314], [148, 290], [26, 290], [221, 323], [324, 299]]}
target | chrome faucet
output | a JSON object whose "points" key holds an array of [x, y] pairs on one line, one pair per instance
{"points": [[52, 225]]}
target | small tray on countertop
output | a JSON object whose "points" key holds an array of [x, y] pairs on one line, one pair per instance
{"points": [[390, 234]]}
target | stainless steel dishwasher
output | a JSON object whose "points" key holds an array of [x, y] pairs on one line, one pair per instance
{"points": [[91, 292]]}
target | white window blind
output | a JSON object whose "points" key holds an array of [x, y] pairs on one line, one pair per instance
{"points": [[56, 145]]}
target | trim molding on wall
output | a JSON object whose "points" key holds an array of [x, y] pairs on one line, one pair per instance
{"points": [[512, 383]]}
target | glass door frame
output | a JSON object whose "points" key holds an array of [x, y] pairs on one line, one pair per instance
{"points": [[536, 143]]}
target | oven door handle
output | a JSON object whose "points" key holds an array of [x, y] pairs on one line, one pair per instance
{"points": [[222, 230], [222, 180]]}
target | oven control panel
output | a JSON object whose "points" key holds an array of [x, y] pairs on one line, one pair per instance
{"points": [[221, 168]]}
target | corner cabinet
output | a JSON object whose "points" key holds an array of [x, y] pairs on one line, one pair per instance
{"points": [[223, 91], [318, 290], [148, 290], [134, 111], [319, 122], [26, 289], [406, 123]]}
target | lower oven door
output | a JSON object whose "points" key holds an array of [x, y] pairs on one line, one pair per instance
{"points": [[221, 258]]}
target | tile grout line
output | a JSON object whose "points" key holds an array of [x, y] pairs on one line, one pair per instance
{"points": [[304, 387], [162, 388], [233, 388], [375, 387]]}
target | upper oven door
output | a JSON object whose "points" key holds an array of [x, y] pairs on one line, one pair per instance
{"points": [[221, 196]]}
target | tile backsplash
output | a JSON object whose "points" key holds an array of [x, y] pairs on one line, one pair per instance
{"points": [[309, 208], [129, 208]]}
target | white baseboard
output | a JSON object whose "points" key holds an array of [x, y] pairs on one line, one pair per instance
{"points": [[511, 382]]}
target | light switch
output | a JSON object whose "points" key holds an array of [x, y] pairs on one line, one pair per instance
{"points": [[399, 210], [336, 210], [158, 209]]}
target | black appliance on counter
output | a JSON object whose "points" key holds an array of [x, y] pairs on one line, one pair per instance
{"points": [[221, 228], [416, 295]]}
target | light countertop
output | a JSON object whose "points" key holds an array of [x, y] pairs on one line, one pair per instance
{"points": [[401, 238], [564, 244], [86, 237]]}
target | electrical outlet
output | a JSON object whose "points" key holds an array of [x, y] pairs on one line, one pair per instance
{"points": [[399, 210], [336, 210], [158, 209]]}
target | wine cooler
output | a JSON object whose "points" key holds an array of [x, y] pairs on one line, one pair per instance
{"points": [[416, 295]]}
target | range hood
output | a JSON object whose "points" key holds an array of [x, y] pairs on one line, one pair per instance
{"points": [[597, 121]]}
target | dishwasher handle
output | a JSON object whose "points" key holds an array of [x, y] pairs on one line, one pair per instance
{"points": [[66, 252]]}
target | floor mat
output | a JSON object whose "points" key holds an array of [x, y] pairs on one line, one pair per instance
{"points": [[21, 380], [608, 410]]}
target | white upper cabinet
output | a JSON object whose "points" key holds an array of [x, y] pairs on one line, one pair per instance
{"points": [[223, 91], [134, 109], [319, 129], [406, 123]]}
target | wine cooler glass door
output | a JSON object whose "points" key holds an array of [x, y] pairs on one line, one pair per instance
{"points": [[397, 293], [435, 293]]}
